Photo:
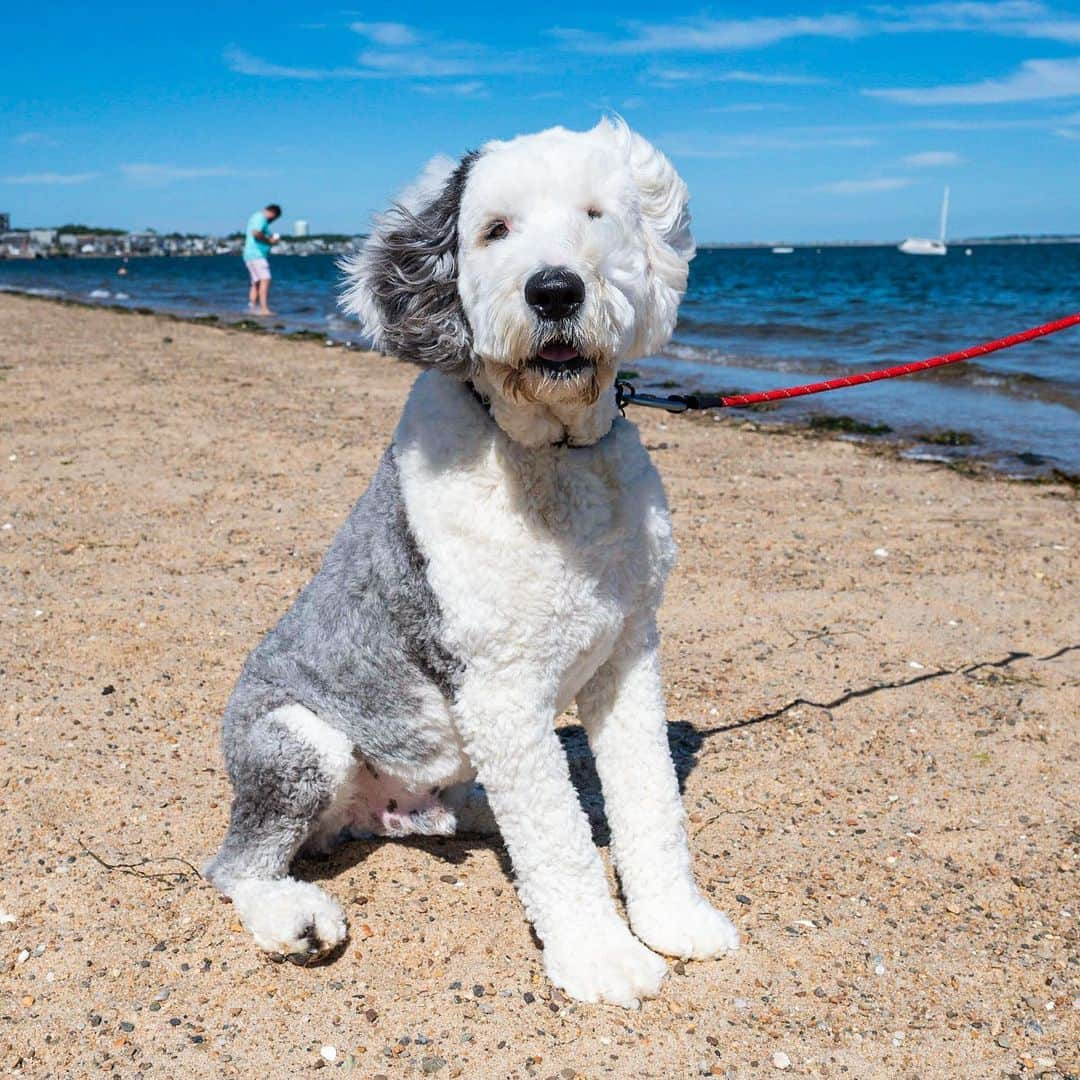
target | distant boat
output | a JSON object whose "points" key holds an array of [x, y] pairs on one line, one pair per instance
{"points": [[916, 245], [782, 250]]}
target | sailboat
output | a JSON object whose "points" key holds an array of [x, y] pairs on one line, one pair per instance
{"points": [[915, 245]]}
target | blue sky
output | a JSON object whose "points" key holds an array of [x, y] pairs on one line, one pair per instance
{"points": [[794, 121]]}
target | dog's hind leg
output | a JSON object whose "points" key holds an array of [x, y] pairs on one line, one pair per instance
{"points": [[287, 769]]}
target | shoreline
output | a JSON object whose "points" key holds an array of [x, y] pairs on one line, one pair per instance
{"points": [[931, 449]]}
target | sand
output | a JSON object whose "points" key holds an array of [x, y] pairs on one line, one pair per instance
{"points": [[872, 674]]}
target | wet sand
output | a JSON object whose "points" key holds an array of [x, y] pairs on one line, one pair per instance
{"points": [[873, 677]]}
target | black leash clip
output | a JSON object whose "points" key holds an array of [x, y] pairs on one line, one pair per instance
{"points": [[627, 394]]}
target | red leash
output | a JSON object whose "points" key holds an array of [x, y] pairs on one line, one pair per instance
{"points": [[627, 395]]}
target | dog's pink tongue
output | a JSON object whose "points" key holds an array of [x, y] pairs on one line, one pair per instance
{"points": [[558, 354]]}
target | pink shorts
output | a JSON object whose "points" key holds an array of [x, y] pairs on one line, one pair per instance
{"points": [[259, 269]]}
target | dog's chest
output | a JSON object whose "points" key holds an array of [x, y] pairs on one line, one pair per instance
{"points": [[537, 558]]}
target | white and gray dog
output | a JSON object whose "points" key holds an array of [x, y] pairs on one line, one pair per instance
{"points": [[508, 559]]}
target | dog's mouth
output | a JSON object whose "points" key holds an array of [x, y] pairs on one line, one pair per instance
{"points": [[560, 360]]}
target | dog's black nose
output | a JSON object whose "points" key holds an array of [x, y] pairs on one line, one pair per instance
{"points": [[554, 292]]}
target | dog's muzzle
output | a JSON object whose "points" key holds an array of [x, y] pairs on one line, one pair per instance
{"points": [[555, 293]]}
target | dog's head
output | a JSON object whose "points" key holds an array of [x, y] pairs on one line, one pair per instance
{"points": [[533, 268]]}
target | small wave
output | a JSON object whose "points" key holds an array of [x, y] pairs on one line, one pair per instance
{"points": [[99, 294], [761, 331], [121, 296], [31, 291]]}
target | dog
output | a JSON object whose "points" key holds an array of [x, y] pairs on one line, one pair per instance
{"points": [[508, 559]]}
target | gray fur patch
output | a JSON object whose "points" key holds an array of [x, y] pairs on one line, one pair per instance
{"points": [[411, 273], [359, 644], [280, 789]]}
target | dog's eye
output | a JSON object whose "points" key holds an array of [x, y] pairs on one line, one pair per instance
{"points": [[496, 230], [594, 213]]}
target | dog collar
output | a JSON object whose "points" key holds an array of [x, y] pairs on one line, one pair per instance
{"points": [[483, 401]]}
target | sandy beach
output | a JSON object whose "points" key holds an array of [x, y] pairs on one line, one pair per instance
{"points": [[873, 678]]}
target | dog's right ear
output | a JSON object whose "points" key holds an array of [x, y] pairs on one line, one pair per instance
{"points": [[402, 285]]}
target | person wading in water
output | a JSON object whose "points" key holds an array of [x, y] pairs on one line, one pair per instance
{"points": [[258, 240]]}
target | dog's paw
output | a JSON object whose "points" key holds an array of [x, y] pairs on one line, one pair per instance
{"points": [[292, 919], [691, 929], [605, 963]]}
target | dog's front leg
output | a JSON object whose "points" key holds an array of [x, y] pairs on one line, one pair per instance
{"points": [[622, 708], [507, 723]]}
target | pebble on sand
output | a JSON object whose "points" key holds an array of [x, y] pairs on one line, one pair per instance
{"points": [[328, 1052], [780, 1060]]}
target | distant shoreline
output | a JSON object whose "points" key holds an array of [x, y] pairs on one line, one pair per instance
{"points": [[720, 245], [971, 241]]}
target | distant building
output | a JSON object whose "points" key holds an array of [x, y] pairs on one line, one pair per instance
{"points": [[5, 223], [300, 229], [14, 245], [43, 237]]}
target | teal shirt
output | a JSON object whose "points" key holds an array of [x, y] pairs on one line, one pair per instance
{"points": [[256, 249]]}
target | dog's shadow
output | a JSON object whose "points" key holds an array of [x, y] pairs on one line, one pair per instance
{"points": [[684, 740]]}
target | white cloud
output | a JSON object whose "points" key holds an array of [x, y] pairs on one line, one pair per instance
{"points": [[386, 33], [470, 88], [701, 144], [932, 159], [434, 61], [1005, 18], [751, 106], [863, 187], [1034, 80], [33, 138], [760, 78], [245, 64], [154, 175], [974, 125], [712, 35], [401, 54], [422, 64], [51, 178]]}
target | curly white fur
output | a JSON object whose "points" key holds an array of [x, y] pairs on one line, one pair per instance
{"points": [[544, 539], [604, 204], [574, 550], [561, 606]]}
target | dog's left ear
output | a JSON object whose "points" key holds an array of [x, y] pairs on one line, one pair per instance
{"points": [[665, 215], [402, 284]]}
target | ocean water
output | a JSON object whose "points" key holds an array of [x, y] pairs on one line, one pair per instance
{"points": [[752, 320]]}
